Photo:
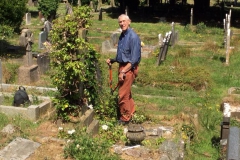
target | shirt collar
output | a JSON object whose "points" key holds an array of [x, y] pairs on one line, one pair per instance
{"points": [[125, 33]]}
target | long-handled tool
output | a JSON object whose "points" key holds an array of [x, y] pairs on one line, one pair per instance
{"points": [[113, 89], [110, 80]]}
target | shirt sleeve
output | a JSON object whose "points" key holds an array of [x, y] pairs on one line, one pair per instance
{"points": [[135, 45]]}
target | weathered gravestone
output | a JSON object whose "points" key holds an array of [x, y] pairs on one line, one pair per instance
{"points": [[28, 72], [28, 18], [30, 2], [43, 62], [41, 39], [25, 35], [110, 45], [47, 27], [100, 15], [163, 47]]}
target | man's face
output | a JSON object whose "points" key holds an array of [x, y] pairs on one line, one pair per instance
{"points": [[123, 23]]}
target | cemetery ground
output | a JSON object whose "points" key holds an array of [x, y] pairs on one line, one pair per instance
{"points": [[184, 92]]}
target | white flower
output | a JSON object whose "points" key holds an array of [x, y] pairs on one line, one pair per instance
{"points": [[68, 141], [90, 106], [60, 128], [104, 127], [77, 145], [71, 131]]}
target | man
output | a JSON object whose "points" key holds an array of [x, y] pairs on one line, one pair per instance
{"points": [[128, 57]]}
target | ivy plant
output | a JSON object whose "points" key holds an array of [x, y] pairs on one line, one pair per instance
{"points": [[73, 61]]}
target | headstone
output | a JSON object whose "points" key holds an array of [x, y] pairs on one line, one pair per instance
{"points": [[191, 17], [30, 2], [42, 39], [91, 5], [228, 47], [47, 27], [233, 144], [43, 62], [100, 15], [127, 11], [69, 9], [173, 34], [28, 18], [28, 57], [1, 72], [106, 46], [82, 33], [114, 39], [164, 47], [40, 15], [35, 2], [25, 35]]}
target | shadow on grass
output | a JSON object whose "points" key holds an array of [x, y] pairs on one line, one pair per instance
{"points": [[11, 51]]}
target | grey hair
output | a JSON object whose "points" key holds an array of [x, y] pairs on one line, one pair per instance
{"points": [[124, 15]]}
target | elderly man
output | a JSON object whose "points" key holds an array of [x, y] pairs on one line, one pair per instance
{"points": [[128, 56]]}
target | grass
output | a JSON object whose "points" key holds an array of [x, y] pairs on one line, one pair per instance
{"points": [[196, 78], [193, 79]]}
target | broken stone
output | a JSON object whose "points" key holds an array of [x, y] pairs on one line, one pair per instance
{"points": [[18, 149], [133, 152], [9, 129]]}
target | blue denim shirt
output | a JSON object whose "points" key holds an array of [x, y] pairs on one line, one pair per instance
{"points": [[129, 48]]}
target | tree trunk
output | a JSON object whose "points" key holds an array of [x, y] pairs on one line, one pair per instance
{"points": [[79, 3], [112, 3], [201, 4]]}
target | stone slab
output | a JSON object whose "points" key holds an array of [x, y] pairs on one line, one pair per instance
{"points": [[18, 149], [28, 75], [233, 143]]}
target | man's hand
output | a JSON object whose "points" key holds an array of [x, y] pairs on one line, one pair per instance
{"points": [[108, 61], [121, 76]]}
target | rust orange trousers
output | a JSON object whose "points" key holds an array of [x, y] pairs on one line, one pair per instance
{"points": [[125, 101]]}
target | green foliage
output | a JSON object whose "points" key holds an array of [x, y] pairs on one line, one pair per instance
{"points": [[180, 76], [6, 31], [48, 7], [201, 28], [110, 132], [108, 110], [139, 118], [84, 147], [10, 72], [12, 12], [160, 140], [188, 130], [234, 122], [210, 116], [74, 61], [3, 120]]}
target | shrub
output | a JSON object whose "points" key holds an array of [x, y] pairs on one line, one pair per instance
{"points": [[48, 8], [74, 62], [201, 28], [84, 147], [12, 12]]}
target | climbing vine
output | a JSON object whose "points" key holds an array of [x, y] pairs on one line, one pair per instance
{"points": [[74, 62]]}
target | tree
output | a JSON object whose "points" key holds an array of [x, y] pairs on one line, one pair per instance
{"points": [[201, 4], [12, 12], [48, 8]]}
